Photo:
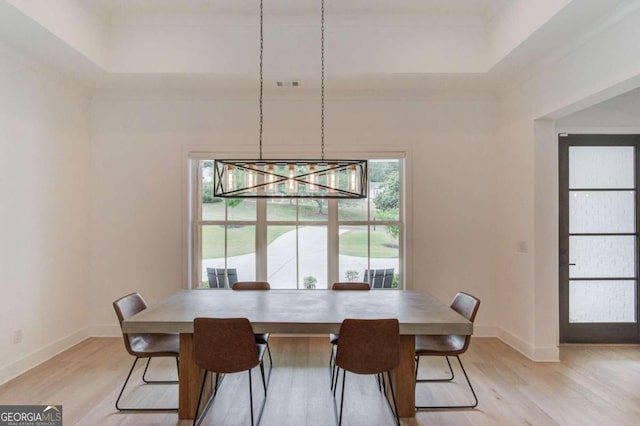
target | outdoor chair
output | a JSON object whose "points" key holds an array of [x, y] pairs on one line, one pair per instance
{"points": [[379, 278], [217, 278], [144, 346], [368, 347], [446, 346], [224, 346]]}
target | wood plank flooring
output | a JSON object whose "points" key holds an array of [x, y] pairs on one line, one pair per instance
{"points": [[592, 385]]}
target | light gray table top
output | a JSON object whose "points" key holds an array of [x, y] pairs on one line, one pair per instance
{"points": [[300, 311]]}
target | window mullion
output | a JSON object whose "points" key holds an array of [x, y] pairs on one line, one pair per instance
{"points": [[261, 240], [333, 243]]}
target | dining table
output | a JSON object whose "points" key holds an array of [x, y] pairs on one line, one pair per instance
{"points": [[299, 312]]}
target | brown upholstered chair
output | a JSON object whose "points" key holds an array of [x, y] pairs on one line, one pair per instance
{"points": [[144, 345], [446, 346], [368, 347], [333, 338], [222, 346], [257, 285]]}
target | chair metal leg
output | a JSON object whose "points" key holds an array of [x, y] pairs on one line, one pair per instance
{"points": [[196, 417], [269, 353], [264, 383], [133, 408], [332, 366], [344, 378], [444, 407], [394, 410], [158, 382], [250, 397], [447, 379], [264, 401]]}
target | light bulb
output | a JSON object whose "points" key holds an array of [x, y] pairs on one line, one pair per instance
{"points": [[332, 176], [312, 179], [292, 184], [251, 177], [353, 183], [231, 178], [270, 178]]}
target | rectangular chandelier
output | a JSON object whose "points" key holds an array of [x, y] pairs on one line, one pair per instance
{"points": [[290, 178]]}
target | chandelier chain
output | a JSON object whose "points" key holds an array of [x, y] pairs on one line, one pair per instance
{"points": [[322, 78], [261, 74]]}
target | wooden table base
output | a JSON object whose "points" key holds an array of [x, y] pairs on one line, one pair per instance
{"points": [[190, 378]]}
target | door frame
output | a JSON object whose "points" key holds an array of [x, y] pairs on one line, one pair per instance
{"points": [[591, 332]]}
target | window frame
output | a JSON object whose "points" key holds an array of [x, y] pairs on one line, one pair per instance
{"points": [[261, 223]]}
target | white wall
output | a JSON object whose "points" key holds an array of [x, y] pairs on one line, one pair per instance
{"points": [[138, 144], [606, 64], [355, 45], [44, 185]]}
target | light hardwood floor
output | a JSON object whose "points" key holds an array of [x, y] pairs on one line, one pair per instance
{"points": [[592, 385]]}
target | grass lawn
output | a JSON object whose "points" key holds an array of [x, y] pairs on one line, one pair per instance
{"points": [[354, 243], [246, 210], [241, 239]]}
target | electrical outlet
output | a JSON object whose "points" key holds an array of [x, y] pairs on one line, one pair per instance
{"points": [[521, 247], [17, 337]]}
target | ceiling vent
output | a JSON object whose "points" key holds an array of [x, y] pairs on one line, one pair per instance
{"points": [[289, 83]]}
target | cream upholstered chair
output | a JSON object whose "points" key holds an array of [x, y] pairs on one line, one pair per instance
{"points": [[368, 347], [222, 346], [144, 345], [446, 346], [257, 285]]}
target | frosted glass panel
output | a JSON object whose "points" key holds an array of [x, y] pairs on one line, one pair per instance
{"points": [[601, 167], [602, 256], [602, 301], [601, 212]]}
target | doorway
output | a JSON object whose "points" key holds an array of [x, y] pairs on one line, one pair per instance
{"points": [[598, 265]]}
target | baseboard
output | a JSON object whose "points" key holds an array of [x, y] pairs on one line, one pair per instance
{"points": [[37, 357], [480, 330], [105, 331], [14, 369], [538, 354]]}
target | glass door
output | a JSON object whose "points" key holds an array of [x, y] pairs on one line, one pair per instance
{"points": [[598, 238]]}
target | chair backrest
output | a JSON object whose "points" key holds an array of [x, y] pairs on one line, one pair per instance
{"points": [[375, 277], [232, 277], [224, 345], [220, 278], [212, 277], [350, 286], [369, 346], [467, 306], [378, 278], [251, 285], [217, 278], [125, 308], [388, 278]]}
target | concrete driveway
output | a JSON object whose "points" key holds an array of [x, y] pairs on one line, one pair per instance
{"points": [[281, 257]]}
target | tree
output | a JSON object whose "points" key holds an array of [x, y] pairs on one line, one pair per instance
{"points": [[388, 202], [351, 275], [388, 198], [321, 203], [310, 282]]}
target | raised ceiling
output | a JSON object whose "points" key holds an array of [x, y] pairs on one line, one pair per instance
{"points": [[484, 8], [372, 46]]}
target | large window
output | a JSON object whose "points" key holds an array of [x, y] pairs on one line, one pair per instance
{"points": [[299, 244]]}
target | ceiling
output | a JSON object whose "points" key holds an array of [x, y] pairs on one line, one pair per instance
{"points": [[373, 47], [483, 8]]}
